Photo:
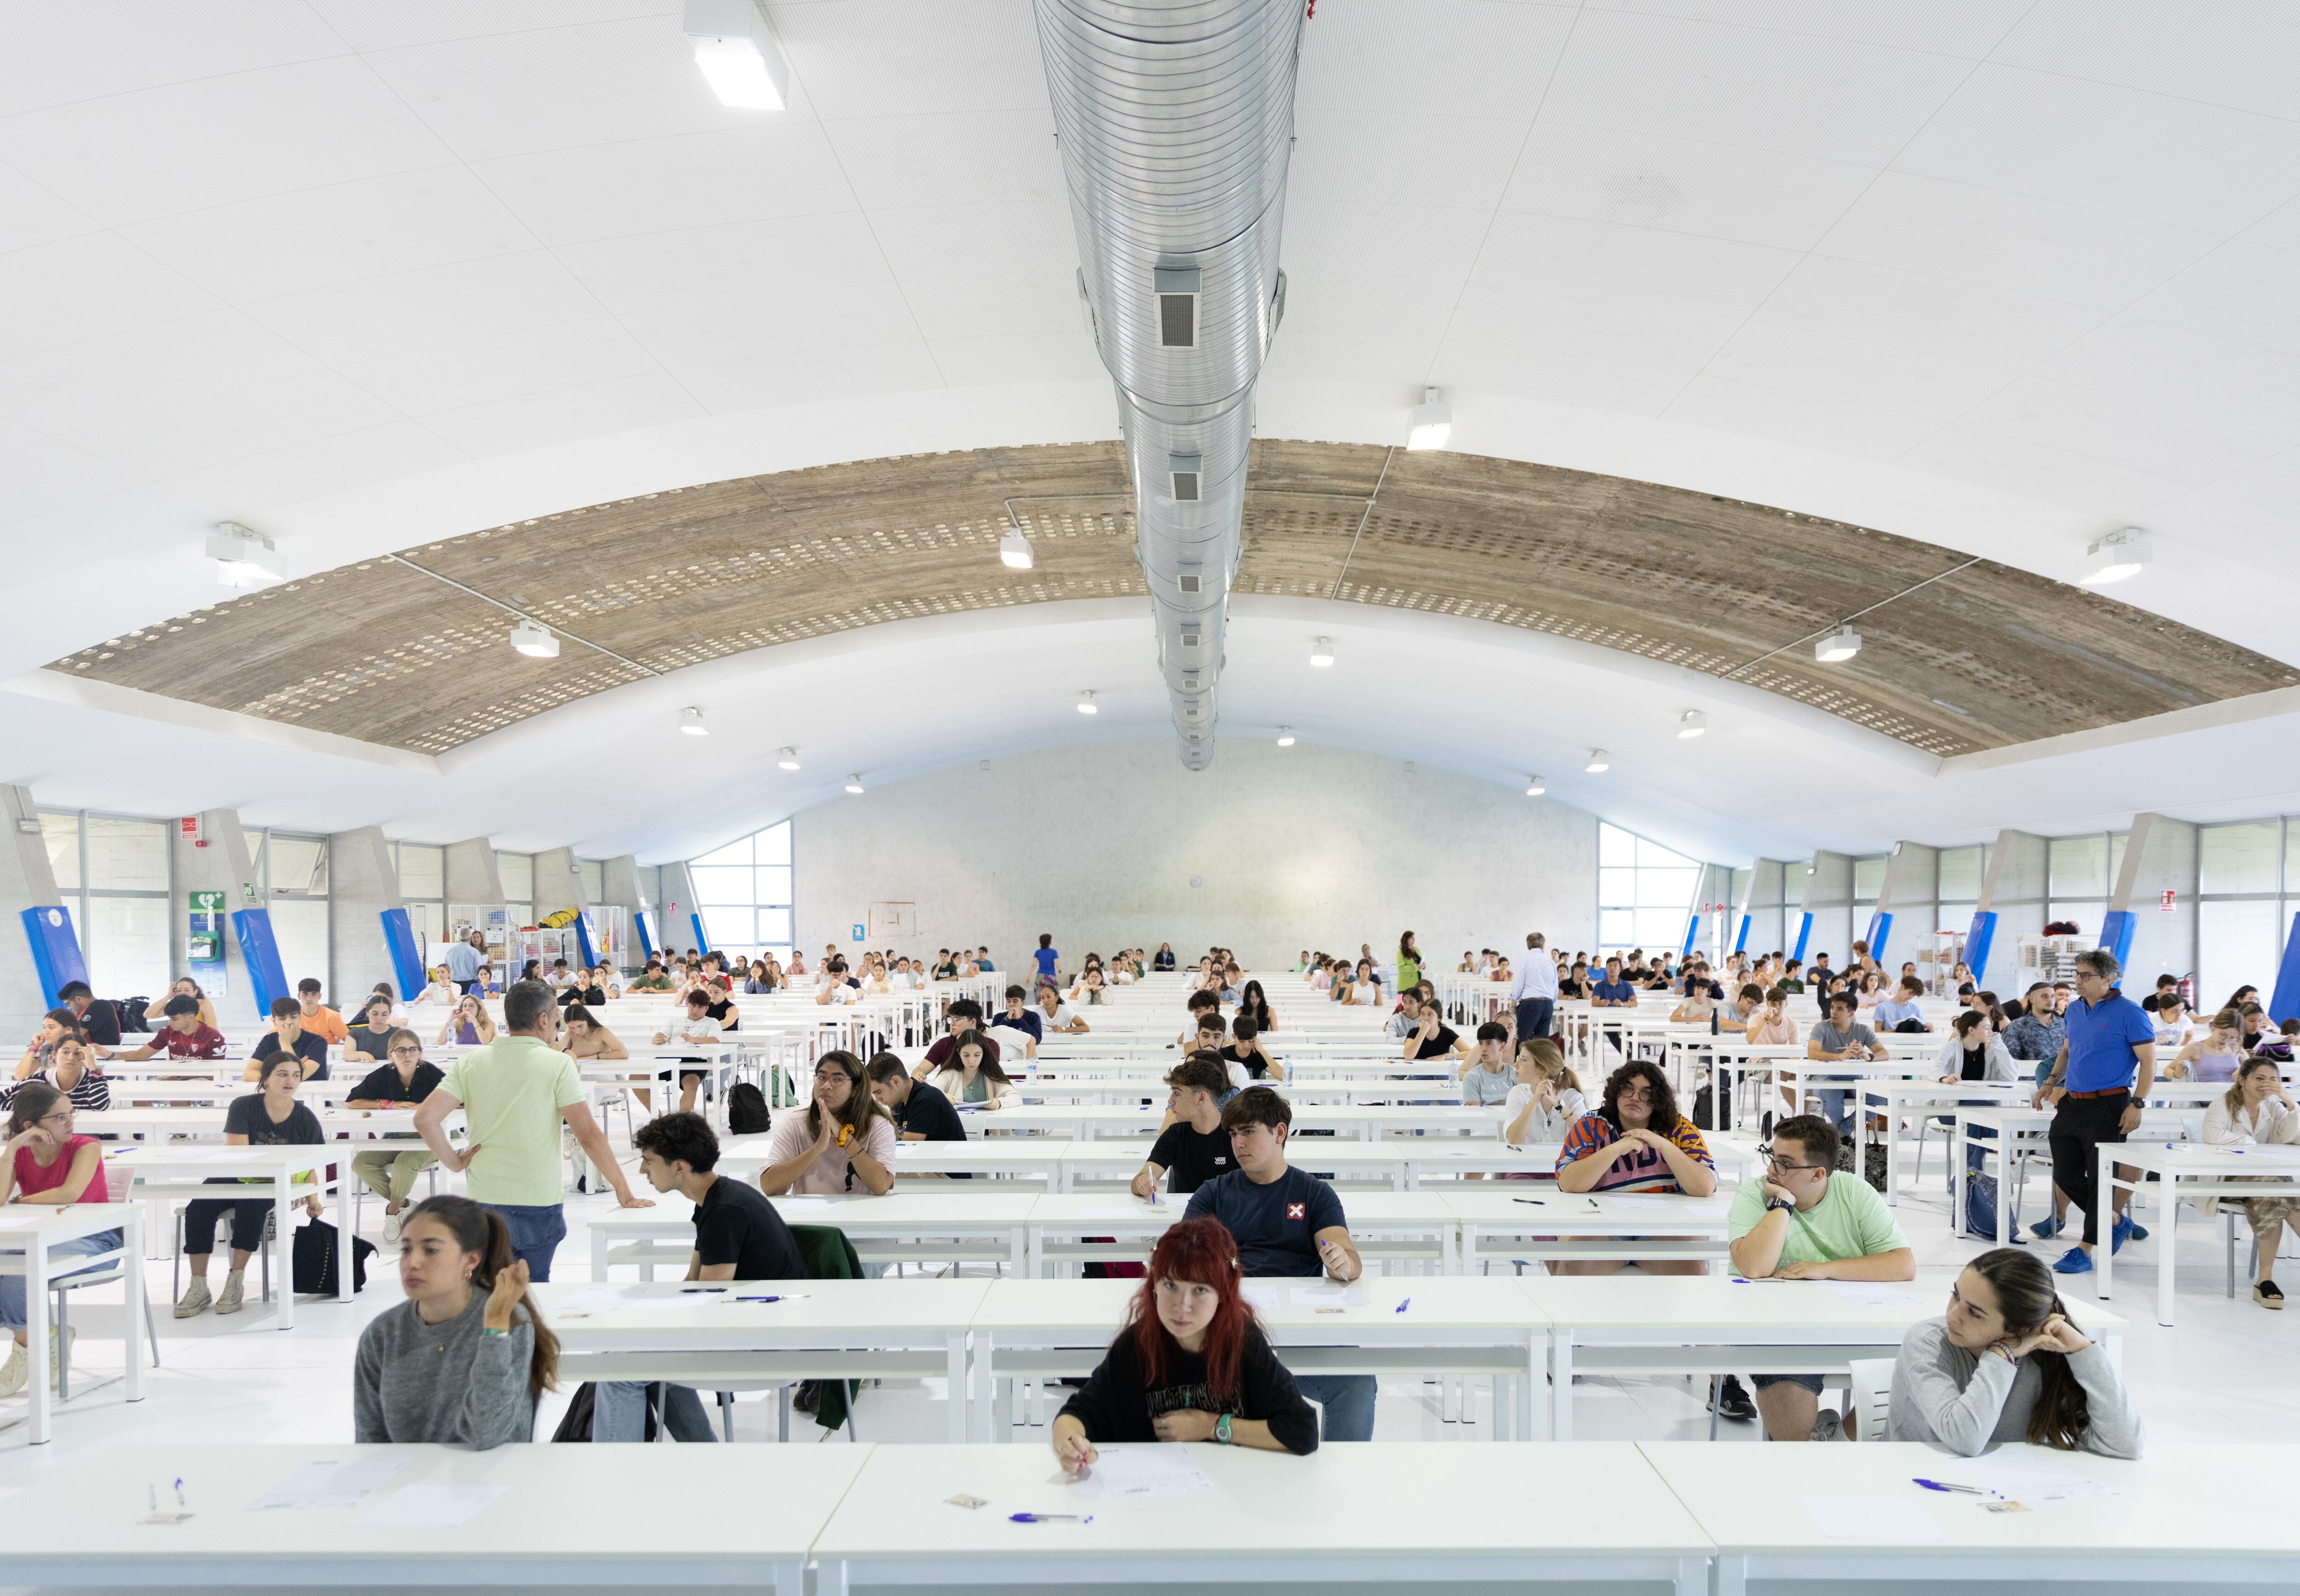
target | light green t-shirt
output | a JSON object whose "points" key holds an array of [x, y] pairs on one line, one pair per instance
{"points": [[511, 1091], [1852, 1221]]}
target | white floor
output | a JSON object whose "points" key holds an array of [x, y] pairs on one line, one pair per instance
{"points": [[2221, 1372]]}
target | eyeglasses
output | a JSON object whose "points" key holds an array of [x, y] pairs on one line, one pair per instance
{"points": [[406, 1052], [1774, 1159]]}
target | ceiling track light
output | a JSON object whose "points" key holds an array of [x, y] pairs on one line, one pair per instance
{"points": [[855, 782], [1534, 786], [1600, 762], [1322, 652], [786, 758], [1087, 706], [1016, 552], [533, 640], [740, 56], [1692, 724], [2120, 555], [1286, 737], [1840, 645], [1430, 423], [690, 721], [243, 557]]}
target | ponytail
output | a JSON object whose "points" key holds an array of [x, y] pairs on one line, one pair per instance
{"points": [[482, 1230]]}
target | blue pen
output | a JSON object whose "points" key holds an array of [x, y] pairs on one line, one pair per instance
{"points": [[1940, 1485], [1048, 1518], [1402, 1307]]}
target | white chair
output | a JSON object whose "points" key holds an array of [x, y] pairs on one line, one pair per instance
{"points": [[1871, 1396], [104, 1268]]}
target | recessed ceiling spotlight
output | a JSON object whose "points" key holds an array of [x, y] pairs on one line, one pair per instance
{"points": [[855, 782], [1286, 737], [736, 46], [1430, 423], [536, 641], [1322, 652], [2120, 555], [1842, 644], [244, 558], [1087, 706], [1599, 762], [788, 758], [1692, 724], [1534, 786], [1014, 551], [690, 721]]}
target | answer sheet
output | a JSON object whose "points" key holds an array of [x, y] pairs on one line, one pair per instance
{"points": [[431, 1507], [328, 1483], [1161, 1468], [1872, 1518]]}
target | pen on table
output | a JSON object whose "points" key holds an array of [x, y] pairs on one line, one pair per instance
{"points": [[1593, 1205], [1534, 1200], [1940, 1485], [1049, 1519]]}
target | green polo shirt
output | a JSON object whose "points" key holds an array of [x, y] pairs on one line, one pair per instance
{"points": [[511, 1091]]}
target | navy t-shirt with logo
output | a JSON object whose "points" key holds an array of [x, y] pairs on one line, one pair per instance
{"points": [[1276, 1225]]}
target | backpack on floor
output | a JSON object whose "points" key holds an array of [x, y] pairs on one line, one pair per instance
{"points": [[314, 1255], [1701, 1103], [1980, 1204], [1874, 1166], [746, 1109]]}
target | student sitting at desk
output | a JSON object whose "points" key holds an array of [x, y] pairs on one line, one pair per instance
{"points": [[54, 1026], [287, 1035], [843, 1139], [2212, 1056], [401, 1081], [709, 1017], [468, 1026], [270, 1117], [2257, 1111], [1246, 1050], [2006, 1363], [1486, 1078], [1288, 1223], [72, 1073], [1433, 1038], [42, 1162], [365, 1042], [975, 1076], [1546, 1101], [1190, 1365], [1636, 1142], [1192, 1146], [184, 986], [738, 1235], [466, 1358], [1807, 1220], [921, 1112], [964, 1017], [186, 1035], [1902, 1011]]}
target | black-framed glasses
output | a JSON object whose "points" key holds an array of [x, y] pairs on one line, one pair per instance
{"points": [[1765, 1152]]}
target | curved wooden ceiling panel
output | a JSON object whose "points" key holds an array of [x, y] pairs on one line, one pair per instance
{"points": [[1958, 654]]}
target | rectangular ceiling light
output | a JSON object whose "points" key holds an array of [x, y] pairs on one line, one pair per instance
{"points": [[1178, 289], [1184, 471], [736, 46]]}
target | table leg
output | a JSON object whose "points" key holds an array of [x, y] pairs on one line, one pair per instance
{"points": [[955, 1370], [35, 1332], [598, 1253], [2168, 1225], [1893, 1155], [284, 1228], [131, 1262], [2103, 1201], [1732, 1575], [1561, 1386], [346, 1244]]}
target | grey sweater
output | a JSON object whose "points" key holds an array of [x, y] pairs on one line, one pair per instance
{"points": [[445, 1383], [1942, 1393]]}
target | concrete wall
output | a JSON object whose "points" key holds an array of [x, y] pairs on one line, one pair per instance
{"points": [[558, 882], [2014, 889], [1828, 897], [362, 882], [26, 882], [1289, 848], [2159, 855], [1912, 896], [472, 877], [226, 865], [676, 923], [1763, 902]]}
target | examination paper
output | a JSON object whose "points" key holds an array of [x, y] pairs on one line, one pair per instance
{"points": [[328, 1483], [2025, 1477], [602, 1298], [1164, 1468], [1328, 1294], [1639, 1200], [1872, 1518], [431, 1507]]}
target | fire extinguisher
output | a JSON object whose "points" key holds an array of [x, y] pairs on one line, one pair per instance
{"points": [[2188, 991]]}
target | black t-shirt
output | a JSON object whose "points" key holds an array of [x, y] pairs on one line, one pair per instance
{"points": [[1248, 1058], [1276, 1226], [384, 1085], [1976, 1063], [246, 1117], [1437, 1046], [735, 1224], [310, 1046], [583, 994], [1118, 1402], [102, 1023], [1191, 1159], [717, 1012], [927, 1112], [1571, 988]]}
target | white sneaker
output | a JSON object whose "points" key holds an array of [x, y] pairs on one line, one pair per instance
{"points": [[1828, 1426], [56, 1355], [16, 1370], [195, 1299], [230, 1302], [390, 1227]]}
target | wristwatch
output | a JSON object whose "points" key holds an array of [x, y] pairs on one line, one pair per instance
{"points": [[1777, 1204], [1222, 1429]]}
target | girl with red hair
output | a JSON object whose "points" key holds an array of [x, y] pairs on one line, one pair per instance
{"points": [[1190, 1365]]}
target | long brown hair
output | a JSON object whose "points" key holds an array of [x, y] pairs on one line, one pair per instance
{"points": [[2233, 1098], [30, 1105], [861, 1108], [2026, 1297], [482, 1230]]}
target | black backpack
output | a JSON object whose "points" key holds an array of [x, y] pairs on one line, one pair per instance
{"points": [[746, 1109], [314, 1260], [130, 1013]]}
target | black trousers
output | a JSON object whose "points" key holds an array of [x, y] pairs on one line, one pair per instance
{"points": [[2079, 1126]]}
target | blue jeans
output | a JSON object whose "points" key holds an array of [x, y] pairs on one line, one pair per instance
{"points": [[1832, 1106], [1348, 1402], [536, 1234], [12, 1314], [1533, 1017], [619, 1412]]}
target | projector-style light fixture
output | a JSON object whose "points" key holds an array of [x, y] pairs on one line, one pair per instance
{"points": [[1286, 737], [855, 782], [1534, 786], [736, 48], [1692, 724], [1599, 762], [786, 758], [2120, 555], [1840, 645], [1430, 423], [244, 558], [1014, 551], [690, 721], [1322, 652], [535, 641], [1087, 706]]}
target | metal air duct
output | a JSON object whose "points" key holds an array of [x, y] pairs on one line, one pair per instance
{"points": [[1175, 119]]}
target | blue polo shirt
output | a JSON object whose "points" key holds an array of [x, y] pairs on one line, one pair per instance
{"points": [[2101, 1039], [1614, 992]]}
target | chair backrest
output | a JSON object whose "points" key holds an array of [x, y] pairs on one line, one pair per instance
{"points": [[1872, 1394]]}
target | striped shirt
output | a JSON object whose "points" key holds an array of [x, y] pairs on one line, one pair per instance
{"points": [[1644, 1170], [93, 1094]]}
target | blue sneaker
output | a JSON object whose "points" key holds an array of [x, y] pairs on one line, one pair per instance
{"points": [[2048, 1227], [2123, 1233], [2139, 1232], [2076, 1261]]}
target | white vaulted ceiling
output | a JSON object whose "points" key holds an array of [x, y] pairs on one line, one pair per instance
{"points": [[2000, 275]]}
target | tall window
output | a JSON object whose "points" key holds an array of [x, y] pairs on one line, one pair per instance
{"points": [[423, 883], [517, 873], [1644, 892], [111, 872], [1962, 871], [2243, 873], [291, 870], [743, 892]]}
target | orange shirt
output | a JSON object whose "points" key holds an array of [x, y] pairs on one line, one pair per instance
{"points": [[326, 1024]]}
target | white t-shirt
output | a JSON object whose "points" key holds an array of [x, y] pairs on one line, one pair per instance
{"points": [[1061, 1018], [1544, 1128], [1014, 1041], [841, 992]]}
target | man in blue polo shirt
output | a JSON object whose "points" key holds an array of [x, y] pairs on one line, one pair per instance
{"points": [[2097, 1086]]}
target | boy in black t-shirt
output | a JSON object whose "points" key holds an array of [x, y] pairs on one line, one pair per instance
{"points": [[921, 1112], [1290, 1224], [1194, 1148], [288, 1035]]}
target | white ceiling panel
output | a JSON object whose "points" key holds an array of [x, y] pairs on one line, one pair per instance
{"points": [[1682, 185], [2278, 230], [381, 24], [2235, 53], [2255, 539], [1555, 376], [1388, 240], [747, 323], [956, 306], [1547, 254], [1016, 357], [339, 233], [2131, 430], [961, 156], [2238, 385], [412, 311], [184, 362], [1960, 28], [866, 58], [811, 376], [2112, 490], [80, 289], [558, 415], [1816, 420], [43, 476], [1926, 312], [454, 376], [2273, 484], [977, 240], [2054, 137], [1796, 94], [2241, 291], [1497, 309], [2016, 242], [175, 438], [213, 141], [97, 49], [1857, 371], [660, 185], [1433, 58], [1391, 158], [1360, 357], [1318, 302], [30, 214], [726, 268], [254, 485]]}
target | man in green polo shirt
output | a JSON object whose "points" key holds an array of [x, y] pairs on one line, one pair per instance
{"points": [[1807, 1220], [515, 1094]]}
